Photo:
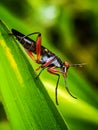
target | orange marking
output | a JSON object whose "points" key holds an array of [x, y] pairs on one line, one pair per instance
{"points": [[53, 70], [38, 68], [47, 63], [31, 55], [38, 47]]}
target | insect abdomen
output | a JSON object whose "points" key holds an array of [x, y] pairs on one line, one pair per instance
{"points": [[27, 43]]}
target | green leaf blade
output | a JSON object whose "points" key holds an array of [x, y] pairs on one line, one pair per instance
{"points": [[25, 99]]}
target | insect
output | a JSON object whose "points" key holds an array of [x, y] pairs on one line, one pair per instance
{"points": [[47, 59]]}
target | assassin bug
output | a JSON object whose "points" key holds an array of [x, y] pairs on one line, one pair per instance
{"points": [[45, 57]]}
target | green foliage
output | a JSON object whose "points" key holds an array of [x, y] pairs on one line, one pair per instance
{"points": [[25, 100], [80, 114]]}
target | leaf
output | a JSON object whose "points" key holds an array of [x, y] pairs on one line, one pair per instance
{"points": [[79, 114], [25, 99]]}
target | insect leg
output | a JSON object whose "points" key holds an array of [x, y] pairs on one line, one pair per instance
{"points": [[38, 47], [38, 44], [68, 89], [45, 65], [52, 70], [40, 72], [31, 55], [48, 62], [31, 34]]}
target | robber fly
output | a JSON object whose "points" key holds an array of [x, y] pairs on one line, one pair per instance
{"points": [[45, 57]]}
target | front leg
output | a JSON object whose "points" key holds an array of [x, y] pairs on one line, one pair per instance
{"points": [[52, 70]]}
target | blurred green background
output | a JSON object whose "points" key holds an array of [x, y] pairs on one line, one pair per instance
{"points": [[69, 26]]}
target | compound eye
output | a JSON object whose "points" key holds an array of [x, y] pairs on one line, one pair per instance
{"points": [[67, 64]]}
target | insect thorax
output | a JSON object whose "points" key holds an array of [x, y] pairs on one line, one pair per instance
{"points": [[45, 58]]}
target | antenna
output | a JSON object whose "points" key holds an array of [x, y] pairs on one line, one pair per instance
{"points": [[78, 65]]}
